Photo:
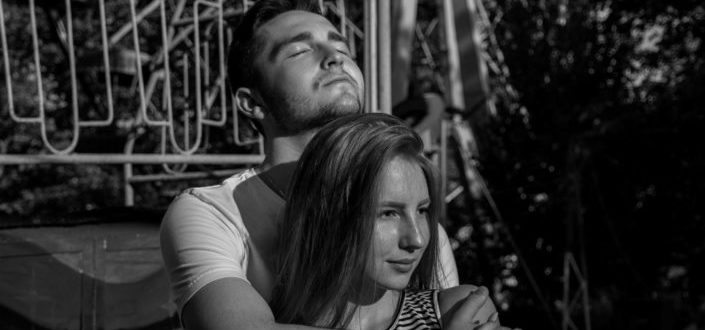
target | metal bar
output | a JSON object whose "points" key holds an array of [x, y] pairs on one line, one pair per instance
{"points": [[128, 190], [167, 64], [223, 59], [219, 86], [6, 62], [370, 56], [209, 17], [166, 167], [353, 28], [197, 61], [403, 27], [455, 83], [343, 18], [443, 165], [138, 57], [15, 159], [106, 66], [178, 11], [149, 91], [136, 18], [384, 65], [182, 176], [37, 67]]}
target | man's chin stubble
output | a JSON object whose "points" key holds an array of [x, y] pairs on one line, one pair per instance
{"points": [[289, 119], [329, 113]]}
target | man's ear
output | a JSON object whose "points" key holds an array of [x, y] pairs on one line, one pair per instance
{"points": [[249, 103]]}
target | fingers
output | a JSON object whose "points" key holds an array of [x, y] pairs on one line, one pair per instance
{"points": [[494, 325], [494, 317], [466, 309], [489, 326], [472, 304]]}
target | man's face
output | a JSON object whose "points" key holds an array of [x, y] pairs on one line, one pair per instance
{"points": [[306, 74]]}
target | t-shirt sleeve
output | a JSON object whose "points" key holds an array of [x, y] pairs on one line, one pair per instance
{"points": [[448, 272], [199, 245]]}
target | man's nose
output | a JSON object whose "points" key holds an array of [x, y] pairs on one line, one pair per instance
{"points": [[331, 57], [412, 237]]}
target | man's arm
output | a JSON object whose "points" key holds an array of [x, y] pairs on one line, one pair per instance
{"points": [[468, 307], [230, 303], [205, 254]]}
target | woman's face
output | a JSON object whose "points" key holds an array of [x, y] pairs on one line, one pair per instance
{"points": [[401, 231]]}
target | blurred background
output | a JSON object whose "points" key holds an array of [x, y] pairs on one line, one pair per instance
{"points": [[569, 133]]}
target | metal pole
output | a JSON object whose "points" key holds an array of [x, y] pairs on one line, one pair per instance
{"points": [[118, 159], [444, 169], [455, 82], [403, 27], [370, 56], [384, 45]]}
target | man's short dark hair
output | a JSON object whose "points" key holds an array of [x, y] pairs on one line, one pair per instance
{"points": [[245, 46]]}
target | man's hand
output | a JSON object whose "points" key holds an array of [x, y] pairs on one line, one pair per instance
{"points": [[493, 324], [465, 314]]}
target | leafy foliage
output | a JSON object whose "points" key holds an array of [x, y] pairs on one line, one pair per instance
{"points": [[608, 151]]}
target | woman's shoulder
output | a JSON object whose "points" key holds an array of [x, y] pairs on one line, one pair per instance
{"points": [[452, 298]]}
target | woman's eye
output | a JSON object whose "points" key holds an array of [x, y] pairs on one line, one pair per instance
{"points": [[388, 213], [424, 210]]}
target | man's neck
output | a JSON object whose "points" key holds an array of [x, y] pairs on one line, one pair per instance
{"points": [[284, 149]]}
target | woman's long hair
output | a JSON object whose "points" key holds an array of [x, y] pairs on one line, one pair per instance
{"points": [[330, 214]]}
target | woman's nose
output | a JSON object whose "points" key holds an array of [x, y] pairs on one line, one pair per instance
{"points": [[412, 236]]}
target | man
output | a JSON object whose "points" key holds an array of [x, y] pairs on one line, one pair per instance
{"points": [[290, 72]]}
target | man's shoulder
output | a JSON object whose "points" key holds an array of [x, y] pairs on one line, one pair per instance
{"points": [[222, 191], [243, 199], [196, 202]]}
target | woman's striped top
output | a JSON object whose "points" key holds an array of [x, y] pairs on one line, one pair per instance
{"points": [[418, 310]]}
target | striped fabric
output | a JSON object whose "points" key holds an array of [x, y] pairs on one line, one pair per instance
{"points": [[419, 310]]}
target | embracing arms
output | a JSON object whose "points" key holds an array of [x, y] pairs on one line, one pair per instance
{"points": [[205, 254], [230, 303]]}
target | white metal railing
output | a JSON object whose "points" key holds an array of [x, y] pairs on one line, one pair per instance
{"points": [[210, 88], [185, 74]]}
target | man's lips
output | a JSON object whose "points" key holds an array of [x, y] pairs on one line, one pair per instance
{"points": [[337, 79]]}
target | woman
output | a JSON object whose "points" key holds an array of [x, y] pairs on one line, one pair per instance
{"points": [[361, 229]]}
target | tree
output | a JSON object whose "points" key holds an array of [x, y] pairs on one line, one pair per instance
{"points": [[608, 128]]}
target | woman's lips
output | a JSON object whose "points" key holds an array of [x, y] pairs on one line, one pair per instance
{"points": [[402, 265]]}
